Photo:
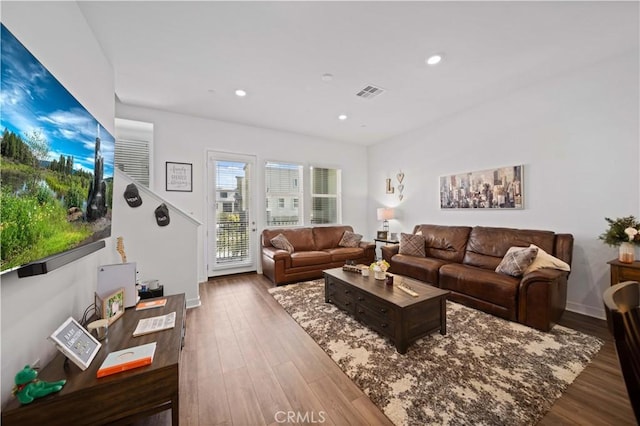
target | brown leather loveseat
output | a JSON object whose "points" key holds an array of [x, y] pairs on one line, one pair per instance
{"points": [[464, 259], [314, 250]]}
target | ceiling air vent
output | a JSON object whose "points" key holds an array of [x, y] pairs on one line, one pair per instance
{"points": [[370, 91]]}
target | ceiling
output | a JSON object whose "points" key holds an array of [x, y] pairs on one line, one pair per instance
{"points": [[190, 57]]}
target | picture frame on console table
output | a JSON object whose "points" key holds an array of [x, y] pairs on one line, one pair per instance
{"points": [[382, 235], [111, 307], [501, 188]]}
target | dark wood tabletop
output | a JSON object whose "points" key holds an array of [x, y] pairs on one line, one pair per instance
{"points": [[129, 395]]}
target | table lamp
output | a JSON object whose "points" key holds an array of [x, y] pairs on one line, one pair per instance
{"points": [[385, 214]]}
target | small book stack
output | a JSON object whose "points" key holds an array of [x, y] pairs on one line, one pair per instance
{"points": [[126, 359]]}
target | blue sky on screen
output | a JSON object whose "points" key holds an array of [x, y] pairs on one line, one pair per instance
{"points": [[32, 99]]}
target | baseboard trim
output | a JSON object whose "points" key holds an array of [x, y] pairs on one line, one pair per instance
{"points": [[586, 310], [194, 303]]}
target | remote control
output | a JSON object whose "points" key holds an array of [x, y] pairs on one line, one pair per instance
{"points": [[407, 290]]}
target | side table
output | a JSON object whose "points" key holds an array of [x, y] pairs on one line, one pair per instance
{"points": [[621, 272], [385, 242]]}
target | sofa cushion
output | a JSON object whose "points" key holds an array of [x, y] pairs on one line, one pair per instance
{"points": [[340, 254], [545, 260], [487, 246], [421, 268], [445, 242], [308, 258], [481, 284], [350, 239], [412, 245], [300, 238], [326, 237], [517, 260], [281, 242]]}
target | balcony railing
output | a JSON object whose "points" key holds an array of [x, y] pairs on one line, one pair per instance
{"points": [[232, 242]]}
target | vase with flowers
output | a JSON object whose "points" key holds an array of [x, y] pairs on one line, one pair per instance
{"points": [[623, 233], [379, 269]]}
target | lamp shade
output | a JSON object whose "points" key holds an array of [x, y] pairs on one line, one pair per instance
{"points": [[385, 213]]}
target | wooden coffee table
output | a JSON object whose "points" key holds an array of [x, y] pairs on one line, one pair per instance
{"points": [[386, 309]]}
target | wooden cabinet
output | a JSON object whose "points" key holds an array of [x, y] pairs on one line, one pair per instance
{"points": [[387, 309], [621, 272], [119, 398]]}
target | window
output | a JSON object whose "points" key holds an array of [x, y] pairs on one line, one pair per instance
{"points": [[326, 204], [282, 181], [295, 203], [133, 150]]}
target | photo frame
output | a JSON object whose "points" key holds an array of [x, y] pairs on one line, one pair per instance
{"points": [[382, 235], [179, 176], [76, 343], [501, 188], [111, 307]]}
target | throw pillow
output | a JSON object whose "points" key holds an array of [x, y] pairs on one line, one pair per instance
{"points": [[412, 245], [281, 242], [517, 260], [350, 239], [545, 260]]}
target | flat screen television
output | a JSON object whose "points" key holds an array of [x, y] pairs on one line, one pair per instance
{"points": [[56, 168]]}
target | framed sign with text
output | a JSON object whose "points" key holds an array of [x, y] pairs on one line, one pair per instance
{"points": [[179, 176]]}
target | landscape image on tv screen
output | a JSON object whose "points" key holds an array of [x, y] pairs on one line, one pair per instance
{"points": [[56, 165]]}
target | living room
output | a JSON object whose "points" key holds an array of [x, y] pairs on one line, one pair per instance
{"points": [[575, 129]]}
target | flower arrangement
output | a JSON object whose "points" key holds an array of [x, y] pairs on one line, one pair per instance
{"points": [[622, 230], [381, 264]]}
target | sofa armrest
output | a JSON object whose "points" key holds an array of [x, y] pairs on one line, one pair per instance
{"points": [[275, 253], [388, 251], [542, 298], [367, 244], [369, 248]]}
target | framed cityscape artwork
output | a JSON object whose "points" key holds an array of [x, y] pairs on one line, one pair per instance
{"points": [[498, 189]]}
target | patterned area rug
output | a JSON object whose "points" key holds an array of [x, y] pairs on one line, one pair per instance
{"points": [[484, 371]]}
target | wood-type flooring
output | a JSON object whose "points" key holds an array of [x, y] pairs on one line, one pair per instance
{"points": [[246, 362]]}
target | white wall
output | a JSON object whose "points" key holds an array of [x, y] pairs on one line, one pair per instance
{"points": [[577, 136], [58, 36], [166, 253], [186, 139]]}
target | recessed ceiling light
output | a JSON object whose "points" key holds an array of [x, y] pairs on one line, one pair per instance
{"points": [[241, 93], [434, 59], [327, 77], [342, 117]]}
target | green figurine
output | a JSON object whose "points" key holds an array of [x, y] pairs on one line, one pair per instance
{"points": [[28, 387]]}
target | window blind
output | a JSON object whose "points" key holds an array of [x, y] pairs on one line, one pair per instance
{"points": [[232, 214], [132, 157], [283, 183], [326, 195]]}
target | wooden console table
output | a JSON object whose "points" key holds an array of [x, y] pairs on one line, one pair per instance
{"points": [[621, 272], [122, 397]]}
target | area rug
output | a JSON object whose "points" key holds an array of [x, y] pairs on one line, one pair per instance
{"points": [[485, 371]]}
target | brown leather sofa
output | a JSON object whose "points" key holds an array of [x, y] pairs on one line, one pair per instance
{"points": [[463, 260], [315, 249]]}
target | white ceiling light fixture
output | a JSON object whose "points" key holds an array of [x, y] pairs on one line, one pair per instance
{"points": [[327, 77], [241, 93], [342, 117], [434, 59]]}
